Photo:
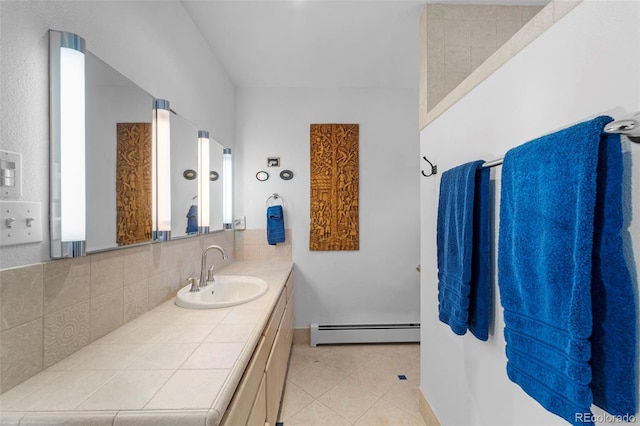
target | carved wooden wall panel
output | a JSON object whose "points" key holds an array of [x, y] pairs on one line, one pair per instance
{"points": [[134, 220], [334, 187]]}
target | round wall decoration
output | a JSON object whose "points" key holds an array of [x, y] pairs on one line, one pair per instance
{"points": [[286, 175], [190, 174], [262, 175]]}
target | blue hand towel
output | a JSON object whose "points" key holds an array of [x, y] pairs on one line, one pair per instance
{"points": [[192, 219], [567, 295], [463, 250], [275, 225]]}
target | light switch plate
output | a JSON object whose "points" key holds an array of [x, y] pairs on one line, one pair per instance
{"points": [[20, 222], [10, 174]]}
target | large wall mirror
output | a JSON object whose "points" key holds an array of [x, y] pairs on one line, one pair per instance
{"points": [[118, 129]]}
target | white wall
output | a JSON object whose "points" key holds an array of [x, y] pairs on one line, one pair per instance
{"points": [[153, 43], [379, 282], [587, 64]]}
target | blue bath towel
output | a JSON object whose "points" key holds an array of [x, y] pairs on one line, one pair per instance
{"points": [[192, 220], [463, 249], [568, 299], [275, 225]]}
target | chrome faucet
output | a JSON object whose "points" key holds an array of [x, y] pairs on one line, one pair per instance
{"points": [[206, 276]]}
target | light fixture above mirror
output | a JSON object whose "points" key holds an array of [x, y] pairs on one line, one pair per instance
{"points": [[67, 129]]}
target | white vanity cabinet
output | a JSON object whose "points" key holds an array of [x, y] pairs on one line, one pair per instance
{"points": [[256, 401]]}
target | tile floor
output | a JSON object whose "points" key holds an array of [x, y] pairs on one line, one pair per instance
{"points": [[352, 385]]}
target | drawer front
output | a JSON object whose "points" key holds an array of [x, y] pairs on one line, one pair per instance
{"points": [[274, 322], [240, 406]]}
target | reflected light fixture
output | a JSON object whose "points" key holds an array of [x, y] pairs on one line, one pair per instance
{"points": [[67, 129], [203, 182], [161, 169], [227, 187]]}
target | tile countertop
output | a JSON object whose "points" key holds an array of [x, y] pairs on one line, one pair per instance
{"points": [[168, 366]]}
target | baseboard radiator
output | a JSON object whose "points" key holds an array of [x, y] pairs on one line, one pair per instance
{"points": [[363, 333]]}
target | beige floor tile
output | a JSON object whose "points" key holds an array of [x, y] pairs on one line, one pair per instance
{"points": [[383, 413], [345, 358], [317, 379], [349, 399], [302, 357], [317, 414], [358, 383], [294, 400], [375, 380], [404, 395], [395, 363]]}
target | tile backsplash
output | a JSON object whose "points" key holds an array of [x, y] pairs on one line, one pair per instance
{"points": [[50, 310], [251, 244]]}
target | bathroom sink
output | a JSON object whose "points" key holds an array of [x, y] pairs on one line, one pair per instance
{"points": [[226, 290]]}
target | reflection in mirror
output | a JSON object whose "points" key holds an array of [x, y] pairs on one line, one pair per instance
{"points": [[215, 186], [184, 189], [118, 117]]}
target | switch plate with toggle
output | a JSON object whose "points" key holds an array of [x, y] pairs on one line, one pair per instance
{"points": [[20, 222]]}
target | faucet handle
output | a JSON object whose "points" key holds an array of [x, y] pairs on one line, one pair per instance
{"points": [[210, 277], [194, 284]]}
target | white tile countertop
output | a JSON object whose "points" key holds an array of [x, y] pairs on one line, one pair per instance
{"points": [[168, 366]]}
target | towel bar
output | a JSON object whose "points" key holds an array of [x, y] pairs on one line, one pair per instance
{"points": [[629, 127]]}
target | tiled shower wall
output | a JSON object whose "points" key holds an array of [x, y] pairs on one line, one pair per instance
{"points": [[50, 310], [461, 37]]}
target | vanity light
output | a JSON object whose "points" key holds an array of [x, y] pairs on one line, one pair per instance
{"points": [[203, 182], [161, 169], [227, 195], [67, 128]]}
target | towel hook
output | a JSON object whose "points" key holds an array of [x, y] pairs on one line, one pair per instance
{"points": [[275, 197], [434, 169], [193, 200]]}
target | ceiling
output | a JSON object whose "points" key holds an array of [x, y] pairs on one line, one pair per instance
{"points": [[313, 43]]}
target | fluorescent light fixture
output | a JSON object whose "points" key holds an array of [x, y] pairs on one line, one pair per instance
{"points": [[227, 187], [203, 182], [161, 169], [67, 129]]}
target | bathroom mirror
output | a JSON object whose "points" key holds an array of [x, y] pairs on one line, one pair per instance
{"points": [[118, 162]]}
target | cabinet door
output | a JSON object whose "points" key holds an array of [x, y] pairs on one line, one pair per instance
{"points": [[258, 413], [238, 411], [277, 368]]}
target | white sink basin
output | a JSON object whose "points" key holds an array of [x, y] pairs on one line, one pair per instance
{"points": [[226, 290]]}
